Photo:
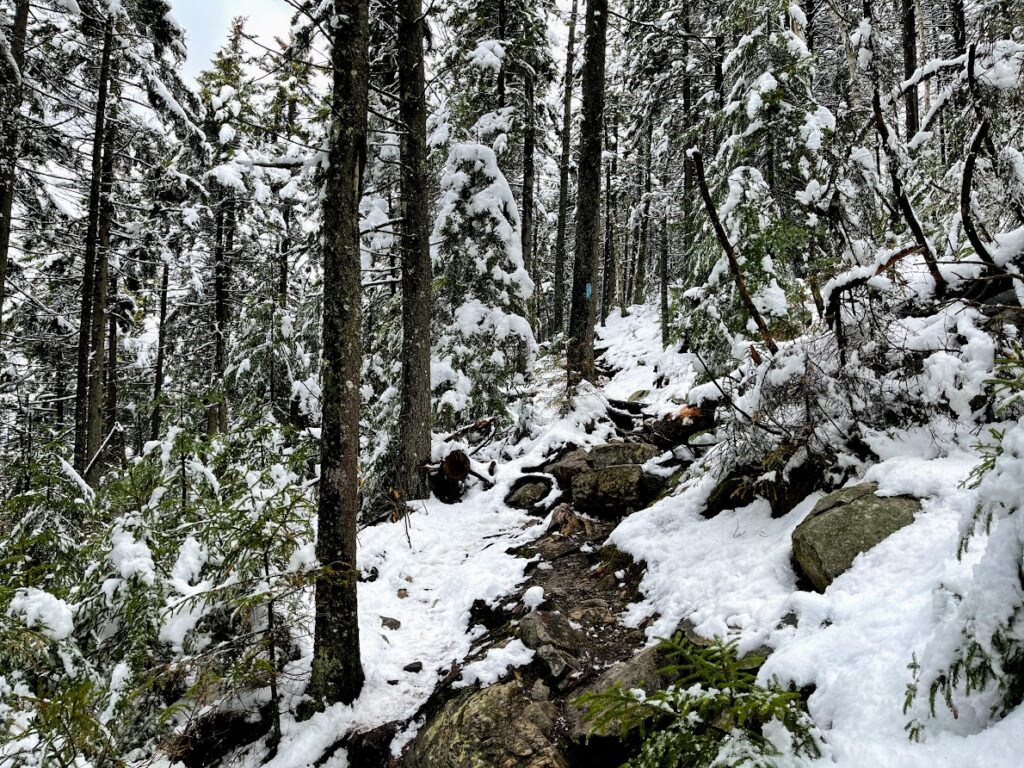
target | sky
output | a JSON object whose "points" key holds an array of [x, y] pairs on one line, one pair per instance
{"points": [[207, 23]]}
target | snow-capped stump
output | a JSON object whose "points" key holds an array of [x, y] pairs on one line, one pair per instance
{"points": [[502, 725], [528, 491], [615, 490], [843, 525]]}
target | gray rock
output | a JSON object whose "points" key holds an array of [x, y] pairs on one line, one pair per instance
{"points": [[528, 492], [604, 456], [639, 396], [557, 644], [641, 671], [843, 525], [496, 727], [388, 623], [614, 490], [568, 466]]}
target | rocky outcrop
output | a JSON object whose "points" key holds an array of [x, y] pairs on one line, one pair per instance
{"points": [[612, 454], [497, 727], [843, 525], [614, 490], [640, 671], [567, 466], [559, 647]]}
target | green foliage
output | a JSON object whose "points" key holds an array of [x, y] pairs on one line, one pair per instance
{"points": [[712, 714]]}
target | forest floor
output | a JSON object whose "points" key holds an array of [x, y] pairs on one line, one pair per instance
{"points": [[433, 580]]}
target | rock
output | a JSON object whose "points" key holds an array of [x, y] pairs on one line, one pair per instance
{"points": [[416, 667], [566, 522], [496, 727], [612, 454], [614, 490], [372, 749], [528, 491], [843, 525], [639, 396], [566, 467], [733, 491], [557, 644], [641, 671], [388, 623]]}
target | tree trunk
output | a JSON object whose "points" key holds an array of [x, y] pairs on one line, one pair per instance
{"points": [[956, 8], [223, 247], [10, 108], [529, 147], [414, 422], [91, 245], [644, 242], [563, 177], [610, 282], [161, 344], [337, 672], [101, 284], [908, 21], [663, 275], [583, 311]]}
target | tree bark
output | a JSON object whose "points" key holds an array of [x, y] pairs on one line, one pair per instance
{"points": [[609, 284], [563, 176], [91, 246], [414, 422], [663, 275], [337, 672], [529, 147], [583, 311], [10, 108], [161, 344], [644, 242], [908, 21], [101, 284]]}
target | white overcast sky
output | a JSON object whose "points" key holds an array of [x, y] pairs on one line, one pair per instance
{"points": [[207, 22]]}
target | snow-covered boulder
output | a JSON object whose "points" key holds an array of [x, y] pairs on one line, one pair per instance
{"points": [[843, 525]]}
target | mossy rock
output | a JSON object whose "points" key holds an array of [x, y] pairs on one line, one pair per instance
{"points": [[614, 491], [843, 525], [497, 727]]}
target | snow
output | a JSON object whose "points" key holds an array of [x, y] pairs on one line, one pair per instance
{"points": [[533, 597], [457, 555], [732, 575], [495, 665], [38, 609]]}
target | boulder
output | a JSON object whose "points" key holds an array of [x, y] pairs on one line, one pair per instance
{"points": [[733, 491], [615, 490], [497, 727], [612, 454], [528, 491], [566, 467], [559, 647], [843, 525], [641, 672]]}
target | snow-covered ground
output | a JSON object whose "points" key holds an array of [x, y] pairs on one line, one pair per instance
{"points": [[730, 575]]}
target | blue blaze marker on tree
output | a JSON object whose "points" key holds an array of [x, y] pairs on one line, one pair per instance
{"points": [[590, 291]]}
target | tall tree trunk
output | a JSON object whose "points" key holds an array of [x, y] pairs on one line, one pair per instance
{"points": [[908, 21], [10, 108], [563, 176], [101, 284], [956, 8], [414, 422], [644, 242], [663, 275], [112, 417], [161, 344], [610, 282], [91, 247], [529, 147], [583, 311], [502, 34], [224, 242], [337, 673]]}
